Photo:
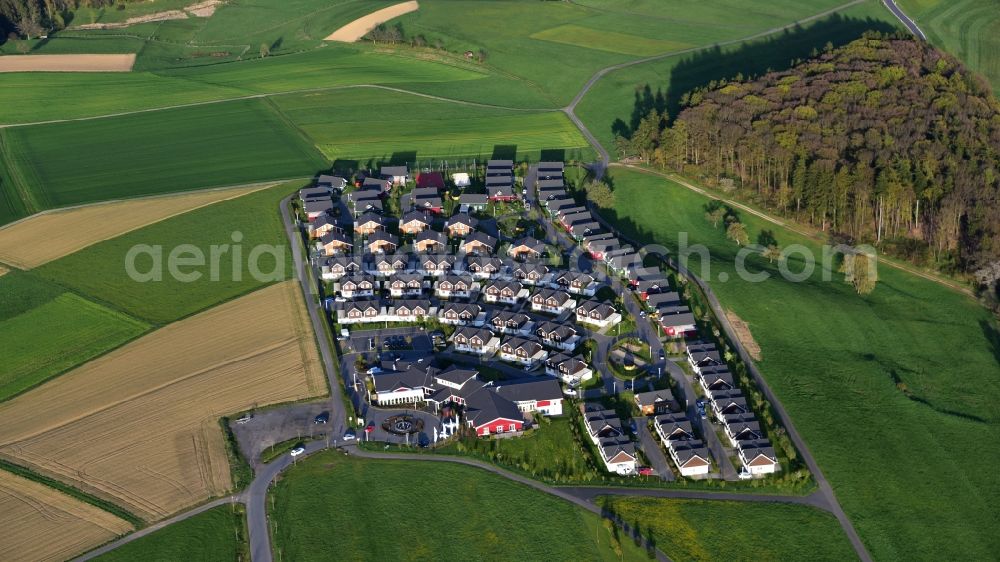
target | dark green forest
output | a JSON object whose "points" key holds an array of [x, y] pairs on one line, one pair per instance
{"points": [[885, 140]]}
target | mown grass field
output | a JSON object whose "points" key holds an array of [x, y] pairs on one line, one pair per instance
{"points": [[254, 216], [716, 530], [894, 393], [968, 29], [330, 504], [56, 336], [363, 123], [45, 331], [33, 97], [614, 97], [159, 152], [218, 534]]}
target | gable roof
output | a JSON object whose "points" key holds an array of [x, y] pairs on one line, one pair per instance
{"points": [[529, 389]]}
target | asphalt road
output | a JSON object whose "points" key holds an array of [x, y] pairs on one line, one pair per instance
{"points": [[901, 16]]}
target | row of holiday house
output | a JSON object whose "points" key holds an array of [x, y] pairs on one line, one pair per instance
{"points": [[652, 286], [488, 408], [608, 434], [730, 408]]}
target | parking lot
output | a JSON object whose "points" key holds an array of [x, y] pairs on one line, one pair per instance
{"points": [[268, 427]]}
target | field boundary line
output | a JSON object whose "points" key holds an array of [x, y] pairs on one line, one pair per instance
{"points": [[271, 94], [21, 189], [142, 532], [264, 185], [794, 227], [74, 492]]}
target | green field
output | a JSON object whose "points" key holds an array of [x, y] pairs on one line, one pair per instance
{"points": [[332, 505], [534, 43], [159, 152], [99, 270], [216, 535], [614, 97], [32, 97], [606, 40], [718, 530], [894, 393], [45, 331], [969, 29], [365, 123]]}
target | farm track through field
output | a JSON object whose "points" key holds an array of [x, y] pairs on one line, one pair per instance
{"points": [[272, 94]]}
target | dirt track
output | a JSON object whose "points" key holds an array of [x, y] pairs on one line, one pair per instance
{"points": [[359, 27], [67, 63]]}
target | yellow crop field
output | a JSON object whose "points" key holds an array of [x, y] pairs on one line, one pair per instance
{"points": [[40, 523], [139, 426], [51, 235]]}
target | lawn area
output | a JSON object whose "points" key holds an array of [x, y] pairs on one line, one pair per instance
{"points": [[45, 331], [910, 355], [550, 452], [99, 272], [214, 535], [335, 505], [969, 29], [159, 152], [616, 96], [726, 530], [361, 124]]}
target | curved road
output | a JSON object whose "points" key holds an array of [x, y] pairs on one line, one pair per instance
{"points": [[901, 16]]}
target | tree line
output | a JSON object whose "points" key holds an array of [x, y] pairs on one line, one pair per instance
{"points": [[885, 140], [29, 19]]}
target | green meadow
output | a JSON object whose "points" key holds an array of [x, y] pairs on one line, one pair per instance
{"points": [[33, 97], [45, 331], [364, 123], [727, 530], [214, 535], [365, 509], [968, 29], [254, 216], [894, 392], [159, 152]]}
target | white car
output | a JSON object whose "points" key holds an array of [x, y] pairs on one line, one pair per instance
{"points": [[374, 370], [745, 474], [344, 333], [244, 419], [569, 392], [298, 450], [349, 436], [340, 299]]}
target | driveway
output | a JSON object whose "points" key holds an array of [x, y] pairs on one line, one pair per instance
{"points": [[651, 447]]}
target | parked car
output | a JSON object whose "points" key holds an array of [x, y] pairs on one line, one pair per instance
{"points": [[646, 471], [298, 450], [244, 418], [642, 314], [322, 418], [339, 299], [349, 435], [569, 392], [633, 426], [344, 333], [374, 370], [663, 356], [371, 344], [744, 474]]}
